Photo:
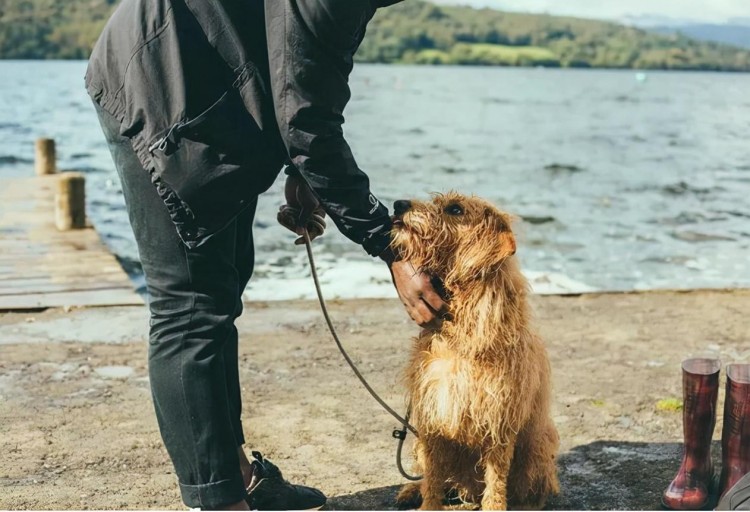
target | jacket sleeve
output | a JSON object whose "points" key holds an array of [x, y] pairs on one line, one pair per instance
{"points": [[311, 46]]}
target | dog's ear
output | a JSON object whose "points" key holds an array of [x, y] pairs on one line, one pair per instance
{"points": [[505, 243], [490, 244]]}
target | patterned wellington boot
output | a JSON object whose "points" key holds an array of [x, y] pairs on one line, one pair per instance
{"points": [[700, 388], [735, 436]]}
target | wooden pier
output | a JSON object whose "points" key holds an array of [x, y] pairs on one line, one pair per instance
{"points": [[50, 256]]}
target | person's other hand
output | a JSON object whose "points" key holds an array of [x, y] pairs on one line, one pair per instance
{"points": [[302, 210], [423, 304]]}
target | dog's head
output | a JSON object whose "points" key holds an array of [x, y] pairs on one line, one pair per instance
{"points": [[454, 237]]}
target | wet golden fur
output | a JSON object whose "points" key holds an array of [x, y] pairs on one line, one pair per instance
{"points": [[479, 384]]}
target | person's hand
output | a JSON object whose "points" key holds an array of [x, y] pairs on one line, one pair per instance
{"points": [[301, 211], [424, 305]]}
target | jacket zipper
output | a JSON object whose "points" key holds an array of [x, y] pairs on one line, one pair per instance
{"points": [[173, 134]]}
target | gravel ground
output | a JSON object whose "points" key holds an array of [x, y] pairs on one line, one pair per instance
{"points": [[77, 429]]}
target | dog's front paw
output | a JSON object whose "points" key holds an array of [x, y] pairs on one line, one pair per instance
{"points": [[494, 503], [409, 497]]}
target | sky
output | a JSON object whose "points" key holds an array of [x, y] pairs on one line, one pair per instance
{"points": [[713, 11]]}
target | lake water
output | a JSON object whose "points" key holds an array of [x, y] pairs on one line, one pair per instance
{"points": [[621, 181]]}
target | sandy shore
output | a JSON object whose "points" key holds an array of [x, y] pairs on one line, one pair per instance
{"points": [[77, 428]]}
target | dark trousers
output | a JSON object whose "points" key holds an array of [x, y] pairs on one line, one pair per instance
{"points": [[195, 297]]}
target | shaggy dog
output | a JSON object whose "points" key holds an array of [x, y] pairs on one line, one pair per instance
{"points": [[479, 383]]}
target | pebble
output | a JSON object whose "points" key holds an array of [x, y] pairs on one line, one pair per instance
{"points": [[625, 421], [83, 371], [114, 372]]}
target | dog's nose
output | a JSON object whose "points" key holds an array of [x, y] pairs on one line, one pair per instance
{"points": [[401, 206]]}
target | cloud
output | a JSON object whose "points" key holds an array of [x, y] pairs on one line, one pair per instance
{"points": [[698, 10]]}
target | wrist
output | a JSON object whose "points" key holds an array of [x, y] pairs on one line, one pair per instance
{"points": [[388, 256]]}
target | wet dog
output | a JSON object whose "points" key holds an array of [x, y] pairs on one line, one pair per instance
{"points": [[479, 383]]}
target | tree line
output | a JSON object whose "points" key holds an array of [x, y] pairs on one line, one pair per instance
{"points": [[413, 32]]}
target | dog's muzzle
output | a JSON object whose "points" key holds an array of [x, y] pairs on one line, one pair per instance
{"points": [[401, 206]]}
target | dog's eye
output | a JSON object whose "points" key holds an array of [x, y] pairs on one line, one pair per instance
{"points": [[454, 209]]}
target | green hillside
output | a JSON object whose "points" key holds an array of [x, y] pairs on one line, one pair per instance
{"points": [[412, 32], [420, 32], [51, 29]]}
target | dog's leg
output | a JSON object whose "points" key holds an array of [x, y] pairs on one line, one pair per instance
{"points": [[533, 474], [437, 457], [409, 497], [466, 483], [496, 468]]}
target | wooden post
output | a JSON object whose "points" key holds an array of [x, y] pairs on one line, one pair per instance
{"points": [[46, 159], [70, 201]]}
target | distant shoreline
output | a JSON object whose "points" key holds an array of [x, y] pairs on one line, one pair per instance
{"points": [[474, 66], [418, 32]]}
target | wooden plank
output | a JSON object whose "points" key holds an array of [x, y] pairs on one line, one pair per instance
{"points": [[41, 266], [28, 243], [53, 259], [32, 287], [52, 254], [117, 297], [53, 283], [63, 272], [52, 247]]}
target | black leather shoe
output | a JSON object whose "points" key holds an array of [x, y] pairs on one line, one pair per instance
{"points": [[269, 491]]}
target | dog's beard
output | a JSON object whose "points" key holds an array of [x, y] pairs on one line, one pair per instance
{"points": [[421, 254], [425, 242]]}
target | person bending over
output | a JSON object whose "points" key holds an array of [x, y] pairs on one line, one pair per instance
{"points": [[202, 103]]}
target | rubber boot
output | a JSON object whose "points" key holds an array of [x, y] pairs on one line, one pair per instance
{"points": [[690, 488], [735, 436]]}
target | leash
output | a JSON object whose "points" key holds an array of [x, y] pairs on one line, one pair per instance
{"points": [[399, 434]]}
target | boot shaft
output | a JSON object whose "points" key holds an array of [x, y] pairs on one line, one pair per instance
{"points": [[735, 434], [737, 404], [689, 490], [700, 388]]}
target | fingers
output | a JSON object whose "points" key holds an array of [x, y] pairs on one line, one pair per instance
{"points": [[435, 302], [419, 311], [287, 217], [291, 219], [316, 225], [426, 317], [428, 297], [423, 304], [422, 315]]}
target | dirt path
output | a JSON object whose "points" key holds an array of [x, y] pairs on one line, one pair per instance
{"points": [[77, 428]]}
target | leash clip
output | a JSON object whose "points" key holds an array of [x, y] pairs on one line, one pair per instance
{"points": [[399, 434]]}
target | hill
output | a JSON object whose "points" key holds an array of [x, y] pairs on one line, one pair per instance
{"points": [[51, 29], [412, 32], [420, 32]]}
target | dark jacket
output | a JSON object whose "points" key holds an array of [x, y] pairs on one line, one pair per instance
{"points": [[216, 95]]}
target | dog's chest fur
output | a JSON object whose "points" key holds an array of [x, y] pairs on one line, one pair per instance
{"points": [[451, 392]]}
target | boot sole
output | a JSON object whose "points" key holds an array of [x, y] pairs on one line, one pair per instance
{"points": [[711, 500]]}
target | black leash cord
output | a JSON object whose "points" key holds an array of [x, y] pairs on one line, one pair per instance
{"points": [[398, 434], [401, 436]]}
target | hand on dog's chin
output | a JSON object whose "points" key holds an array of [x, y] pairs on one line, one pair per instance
{"points": [[422, 302]]}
